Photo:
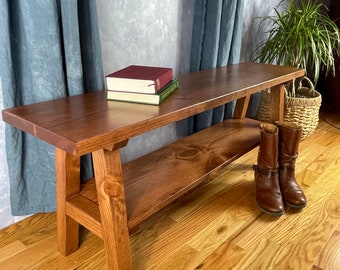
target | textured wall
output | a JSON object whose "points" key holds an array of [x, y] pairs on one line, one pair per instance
{"points": [[254, 11], [149, 32], [145, 32]]}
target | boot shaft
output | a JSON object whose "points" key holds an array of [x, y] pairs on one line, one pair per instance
{"points": [[289, 138], [268, 194], [268, 150]]}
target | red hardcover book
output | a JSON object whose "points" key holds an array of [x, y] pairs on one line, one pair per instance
{"points": [[140, 79]]}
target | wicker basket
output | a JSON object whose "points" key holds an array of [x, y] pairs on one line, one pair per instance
{"points": [[302, 110]]}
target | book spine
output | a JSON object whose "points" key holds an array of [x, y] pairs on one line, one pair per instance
{"points": [[164, 79], [168, 90]]}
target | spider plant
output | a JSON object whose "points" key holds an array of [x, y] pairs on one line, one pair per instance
{"points": [[301, 35]]}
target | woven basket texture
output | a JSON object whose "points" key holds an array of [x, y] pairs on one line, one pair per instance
{"points": [[303, 109]]}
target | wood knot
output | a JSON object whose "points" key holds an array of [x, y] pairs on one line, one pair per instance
{"points": [[187, 154], [112, 189]]}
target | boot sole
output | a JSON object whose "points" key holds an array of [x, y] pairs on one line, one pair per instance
{"points": [[297, 206], [276, 214]]}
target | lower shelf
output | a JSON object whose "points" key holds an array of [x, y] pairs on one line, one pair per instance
{"points": [[158, 178]]}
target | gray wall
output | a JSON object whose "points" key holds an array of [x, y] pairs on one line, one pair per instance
{"points": [[148, 32], [254, 11]]}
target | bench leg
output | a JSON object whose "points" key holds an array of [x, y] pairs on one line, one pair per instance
{"points": [[241, 107], [277, 103], [67, 184], [111, 199]]}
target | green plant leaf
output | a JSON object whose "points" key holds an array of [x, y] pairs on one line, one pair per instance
{"points": [[302, 36]]}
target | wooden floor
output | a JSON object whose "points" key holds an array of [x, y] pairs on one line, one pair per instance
{"points": [[217, 226]]}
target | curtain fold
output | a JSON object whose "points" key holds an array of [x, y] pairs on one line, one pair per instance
{"points": [[48, 50], [216, 41]]}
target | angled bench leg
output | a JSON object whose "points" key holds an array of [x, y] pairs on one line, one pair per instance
{"points": [[276, 105], [111, 199], [67, 184], [241, 107]]}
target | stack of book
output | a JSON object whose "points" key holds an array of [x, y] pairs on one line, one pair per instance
{"points": [[141, 84]]}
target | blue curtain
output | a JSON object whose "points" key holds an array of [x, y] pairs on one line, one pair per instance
{"points": [[48, 49], [216, 41]]}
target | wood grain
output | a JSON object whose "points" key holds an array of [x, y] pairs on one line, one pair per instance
{"points": [[112, 206], [67, 184], [84, 123], [329, 258]]}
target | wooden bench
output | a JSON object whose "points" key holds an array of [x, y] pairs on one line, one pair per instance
{"points": [[121, 196]]}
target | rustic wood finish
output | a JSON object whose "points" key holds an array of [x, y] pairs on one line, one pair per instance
{"points": [[218, 226], [68, 184], [111, 197], [89, 124], [84, 123]]}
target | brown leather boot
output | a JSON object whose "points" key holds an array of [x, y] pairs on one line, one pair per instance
{"points": [[268, 194], [289, 138]]}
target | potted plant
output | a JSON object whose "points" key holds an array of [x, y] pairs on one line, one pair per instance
{"points": [[302, 35]]}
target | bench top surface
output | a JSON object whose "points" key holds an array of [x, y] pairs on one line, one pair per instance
{"points": [[84, 123]]}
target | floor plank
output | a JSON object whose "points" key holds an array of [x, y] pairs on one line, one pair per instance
{"points": [[329, 258]]}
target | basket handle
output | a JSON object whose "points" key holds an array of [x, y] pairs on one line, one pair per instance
{"points": [[310, 83]]}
